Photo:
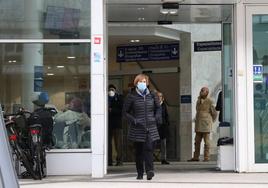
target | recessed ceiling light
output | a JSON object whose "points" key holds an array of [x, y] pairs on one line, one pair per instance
{"points": [[136, 40], [164, 11], [50, 74], [48, 67], [71, 57], [141, 19], [173, 11], [60, 66], [140, 8], [12, 61]]}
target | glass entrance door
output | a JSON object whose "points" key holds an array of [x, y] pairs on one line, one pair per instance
{"points": [[257, 66]]}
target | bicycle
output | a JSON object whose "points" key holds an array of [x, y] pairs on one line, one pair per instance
{"points": [[15, 144]]}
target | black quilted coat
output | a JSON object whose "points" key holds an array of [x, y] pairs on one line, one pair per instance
{"points": [[143, 113]]}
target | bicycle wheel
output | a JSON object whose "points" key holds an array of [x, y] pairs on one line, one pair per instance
{"points": [[43, 163], [25, 160], [37, 166]]}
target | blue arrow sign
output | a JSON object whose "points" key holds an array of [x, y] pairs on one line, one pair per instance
{"points": [[152, 52]]}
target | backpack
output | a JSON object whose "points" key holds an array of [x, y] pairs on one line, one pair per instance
{"points": [[43, 117]]}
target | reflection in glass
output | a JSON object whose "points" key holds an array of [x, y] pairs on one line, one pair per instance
{"points": [[61, 70], [260, 81], [45, 19]]}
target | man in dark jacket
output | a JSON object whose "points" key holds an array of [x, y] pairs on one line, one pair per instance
{"points": [[163, 129], [44, 118], [115, 104]]}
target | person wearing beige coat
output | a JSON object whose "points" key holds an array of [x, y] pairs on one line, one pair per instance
{"points": [[205, 116]]}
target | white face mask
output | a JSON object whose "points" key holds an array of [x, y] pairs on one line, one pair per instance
{"points": [[111, 93]]}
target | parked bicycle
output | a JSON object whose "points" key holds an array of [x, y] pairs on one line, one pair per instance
{"points": [[29, 129], [16, 143]]}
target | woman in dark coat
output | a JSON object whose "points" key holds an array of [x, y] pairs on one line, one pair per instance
{"points": [[143, 112], [163, 128]]}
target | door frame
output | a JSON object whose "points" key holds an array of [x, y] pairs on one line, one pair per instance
{"points": [[250, 11]]}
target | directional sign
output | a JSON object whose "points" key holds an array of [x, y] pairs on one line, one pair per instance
{"points": [[208, 46], [155, 52], [257, 73]]}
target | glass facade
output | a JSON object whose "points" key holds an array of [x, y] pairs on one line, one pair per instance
{"points": [[45, 19], [260, 81], [60, 69]]}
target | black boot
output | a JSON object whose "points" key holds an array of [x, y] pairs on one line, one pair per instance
{"points": [[165, 162], [150, 175], [140, 177]]}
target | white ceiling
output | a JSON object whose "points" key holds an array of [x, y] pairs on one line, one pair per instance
{"points": [[124, 17], [181, 1], [145, 13]]}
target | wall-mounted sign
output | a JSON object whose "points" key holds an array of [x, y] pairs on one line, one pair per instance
{"points": [[208, 46], [97, 40], [155, 52], [186, 99], [38, 78], [257, 73]]}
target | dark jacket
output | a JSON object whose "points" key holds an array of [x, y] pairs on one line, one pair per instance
{"points": [[43, 117], [115, 105], [219, 106], [142, 113], [163, 127]]}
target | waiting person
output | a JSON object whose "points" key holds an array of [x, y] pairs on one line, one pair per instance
{"points": [[142, 110], [205, 116], [70, 126], [219, 106], [163, 128], [115, 105]]}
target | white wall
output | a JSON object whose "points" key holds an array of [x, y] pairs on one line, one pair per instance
{"points": [[205, 71]]}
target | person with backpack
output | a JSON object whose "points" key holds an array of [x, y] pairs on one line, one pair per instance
{"points": [[45, 118], [142, 111]]}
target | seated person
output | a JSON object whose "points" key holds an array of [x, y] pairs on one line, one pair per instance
{"points": [[71, 125]]}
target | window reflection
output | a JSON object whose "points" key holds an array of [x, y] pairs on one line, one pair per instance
{"points": [[45, 19], [61, 70], [260, 86]]}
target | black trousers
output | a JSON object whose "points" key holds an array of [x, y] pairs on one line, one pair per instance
{"points": [[144, 156]]}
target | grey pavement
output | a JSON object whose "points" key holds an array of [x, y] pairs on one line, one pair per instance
{"points": [[179, 174]]}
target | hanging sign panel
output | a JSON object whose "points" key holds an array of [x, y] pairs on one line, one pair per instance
{"points": [[207, 46], [155, 52]]}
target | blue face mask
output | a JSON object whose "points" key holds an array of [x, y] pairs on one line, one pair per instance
{"points": [[141, 86]]}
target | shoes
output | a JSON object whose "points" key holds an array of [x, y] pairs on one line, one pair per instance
{"points": [[110, 164], [192, 160], [206, 160], [119, 163], [165, 162], [150, 175], [139, 177]]}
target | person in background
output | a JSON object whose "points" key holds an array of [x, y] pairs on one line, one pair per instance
{"points": [[115, 105], [163, 128], [205, 116], [45, 118], [142, 111], [70, 126], [219, 106]]}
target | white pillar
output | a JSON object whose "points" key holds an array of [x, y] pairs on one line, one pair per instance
{"points": [[98, 89], [240, 106], [32, 53]]}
